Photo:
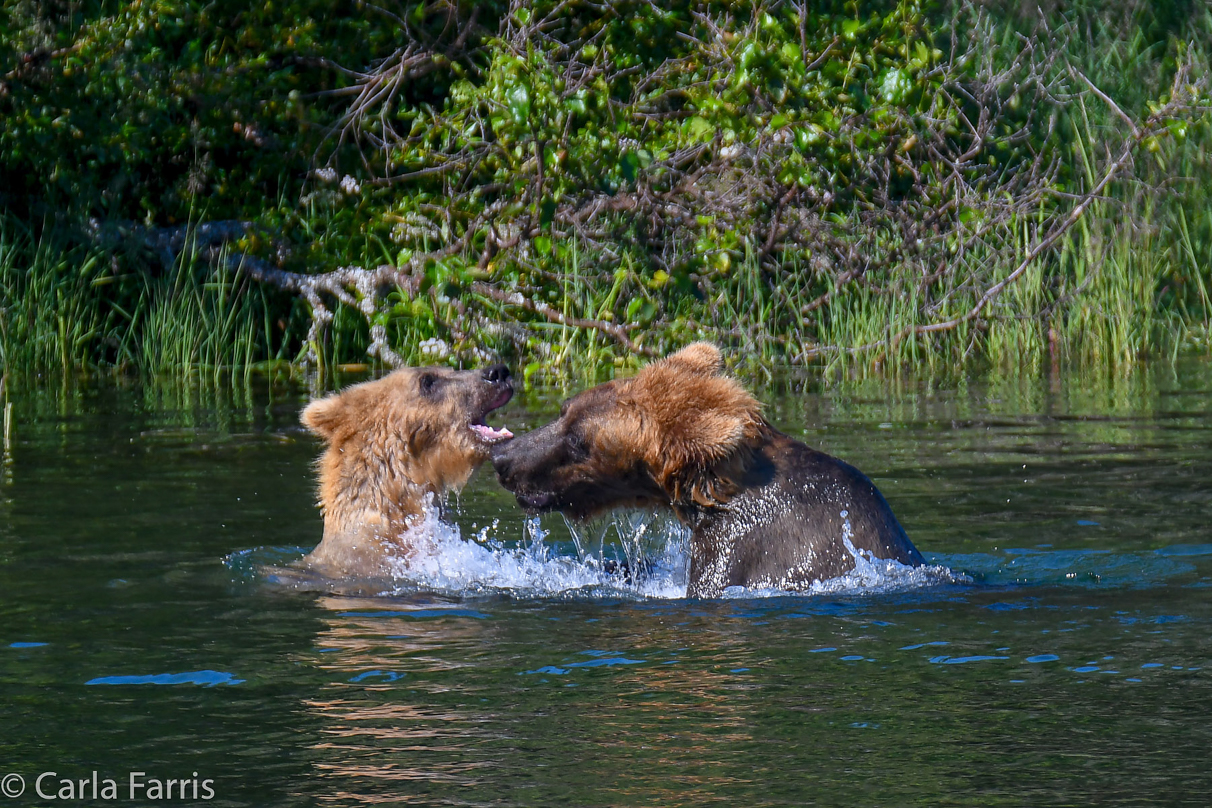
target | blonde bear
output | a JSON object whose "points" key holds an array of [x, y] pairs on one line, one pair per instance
{"points": [[392, 446]]}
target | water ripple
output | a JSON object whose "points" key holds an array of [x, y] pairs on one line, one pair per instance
{"points": [[208, 678]]}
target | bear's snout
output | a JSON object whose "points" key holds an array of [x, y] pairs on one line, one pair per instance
{"points": [[499, 388], [502, 462], [515, 481], [524, 467], [496, 374], [536, 502], [509, 460]]}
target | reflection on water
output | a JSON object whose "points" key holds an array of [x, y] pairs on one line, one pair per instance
{"points": [[374, 731], [1066, 660]]}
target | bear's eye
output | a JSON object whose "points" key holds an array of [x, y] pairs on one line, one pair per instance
{"points": [[428, 383], [576, 445]]}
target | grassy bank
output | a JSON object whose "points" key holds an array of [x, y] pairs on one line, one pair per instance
{"points": [[864, 188], [64, 307]]}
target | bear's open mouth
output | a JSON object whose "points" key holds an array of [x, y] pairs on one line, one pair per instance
{"points": [[487, 433]]}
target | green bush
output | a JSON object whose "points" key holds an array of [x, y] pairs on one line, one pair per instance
{"points": [[570, 184]]}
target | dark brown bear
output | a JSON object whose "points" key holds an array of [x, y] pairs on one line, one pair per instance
{"points": [[764, 510]]}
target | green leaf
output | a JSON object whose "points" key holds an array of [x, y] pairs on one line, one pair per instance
{"points": [[699, 129], [630, 166], [518, 100], [546, 217], [641, 311], [895, 86]]}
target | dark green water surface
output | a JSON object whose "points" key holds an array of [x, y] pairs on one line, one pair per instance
{"points": [[1068, 661]]}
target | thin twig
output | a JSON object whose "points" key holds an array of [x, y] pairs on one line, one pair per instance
{"points": [[554, 315]]}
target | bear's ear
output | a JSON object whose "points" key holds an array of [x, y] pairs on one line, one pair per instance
{"points": [[702, 420], [701, 357], [325, 416]]}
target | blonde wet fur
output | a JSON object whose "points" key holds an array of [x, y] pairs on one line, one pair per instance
{"points": [[391, 446]]}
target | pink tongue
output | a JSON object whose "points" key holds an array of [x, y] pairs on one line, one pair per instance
{"points": [[489, 434]]}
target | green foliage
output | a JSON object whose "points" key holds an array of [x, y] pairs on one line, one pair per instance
{"points": [[797, 180], [51, 316], [64, 307]]}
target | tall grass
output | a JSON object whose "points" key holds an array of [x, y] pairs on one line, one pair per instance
{"points": [[65, 308], [198, 319], [1132, 279], [51, 314]]}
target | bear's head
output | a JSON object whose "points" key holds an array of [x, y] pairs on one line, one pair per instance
{"points": [[675, 434], [414, 431]]}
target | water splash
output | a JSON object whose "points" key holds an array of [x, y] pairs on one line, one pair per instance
{"points": [[879, 575], [630, 554], [870, 576], [655, 551]]}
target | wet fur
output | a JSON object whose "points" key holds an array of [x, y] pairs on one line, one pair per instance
{"points": [[390, 446], [764, 510]]}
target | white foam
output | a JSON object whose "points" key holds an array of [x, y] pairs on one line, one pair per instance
{"points": [[656, 554], [873, 575], [443, 560]]}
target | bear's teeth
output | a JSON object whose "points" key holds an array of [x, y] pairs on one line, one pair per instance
{"points": [[489, 434]]}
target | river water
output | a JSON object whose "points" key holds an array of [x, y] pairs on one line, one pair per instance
{"points": [[1058, 651]]}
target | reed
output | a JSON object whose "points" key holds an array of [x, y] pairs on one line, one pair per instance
{"points": [[198, 320], [51, 315]]}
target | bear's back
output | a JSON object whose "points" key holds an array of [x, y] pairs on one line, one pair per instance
{"points": [[799, 517]]}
